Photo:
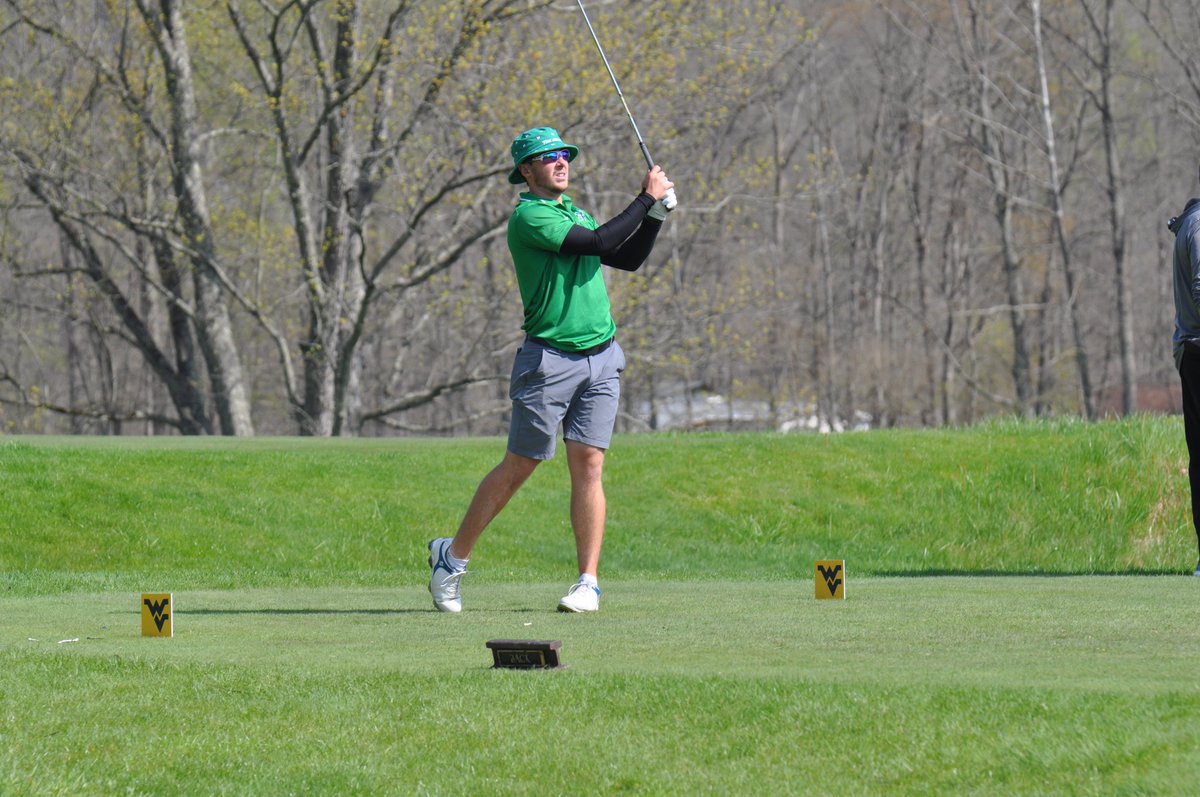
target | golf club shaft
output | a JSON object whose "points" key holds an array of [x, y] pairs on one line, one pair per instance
{"points": [[617, 86]]}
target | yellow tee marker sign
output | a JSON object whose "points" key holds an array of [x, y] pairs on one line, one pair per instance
{"points": [[156, 614], [829, 577]]}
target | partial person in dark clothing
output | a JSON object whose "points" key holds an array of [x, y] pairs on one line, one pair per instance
{"points": [[1186, 342]]}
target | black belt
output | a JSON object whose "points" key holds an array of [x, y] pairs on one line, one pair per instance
{"points": [[584, 353]]}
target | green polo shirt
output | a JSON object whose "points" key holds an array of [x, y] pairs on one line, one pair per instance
{"points": [[566, 302]]}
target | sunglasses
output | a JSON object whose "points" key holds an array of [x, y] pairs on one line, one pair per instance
{"points": [[551, 157]]}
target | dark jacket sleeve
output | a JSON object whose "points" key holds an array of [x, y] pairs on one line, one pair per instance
{"points": [[1193, 250], [622, 242]]}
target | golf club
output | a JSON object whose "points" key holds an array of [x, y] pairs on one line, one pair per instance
{"points": [[669, 200]]}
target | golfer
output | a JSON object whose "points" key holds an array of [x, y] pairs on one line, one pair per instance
{"points": [[1186, 340], [567, 372]]}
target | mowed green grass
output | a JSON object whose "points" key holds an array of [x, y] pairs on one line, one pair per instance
{"points": [[1018, 619]]}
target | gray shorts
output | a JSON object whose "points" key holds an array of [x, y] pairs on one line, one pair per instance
{"points": [[550, 388]]}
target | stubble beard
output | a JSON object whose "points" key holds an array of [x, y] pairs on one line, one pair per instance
{"points": [[546, 185]]}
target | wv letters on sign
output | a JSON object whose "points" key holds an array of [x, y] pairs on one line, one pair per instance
{"points": [[156, 614], [158, 610], [833, 577]]}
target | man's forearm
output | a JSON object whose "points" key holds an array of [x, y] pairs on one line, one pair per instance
{"points": [[608, 237], [633, 253]]}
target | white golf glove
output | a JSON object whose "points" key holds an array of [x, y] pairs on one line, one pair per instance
{"points": [[660, 208]]}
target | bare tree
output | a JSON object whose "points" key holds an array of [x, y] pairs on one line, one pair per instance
{"points": [[336, 157], [1174, 26], [1056, 188], [165, 23], [1095, 75], [993, 139], [59, 176], [336, 154]]}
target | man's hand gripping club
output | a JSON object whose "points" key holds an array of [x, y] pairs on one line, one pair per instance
{"points": [[657, 185]]}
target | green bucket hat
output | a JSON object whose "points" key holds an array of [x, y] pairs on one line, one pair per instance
{"points": [[535, 142]]}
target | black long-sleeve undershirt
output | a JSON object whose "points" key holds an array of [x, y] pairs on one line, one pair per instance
{"points": [[622, 242]]}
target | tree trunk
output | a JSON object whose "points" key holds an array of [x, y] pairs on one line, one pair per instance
{"points": [[991, 144], [1116, 211], [213, 325], [1059, 231]]}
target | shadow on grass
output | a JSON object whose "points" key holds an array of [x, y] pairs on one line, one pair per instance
{"points": [[287, 612], [935, 573], [310, 611]]}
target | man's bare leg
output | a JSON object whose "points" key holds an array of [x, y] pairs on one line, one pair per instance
{"points": [[586, 464], [492, 495]]}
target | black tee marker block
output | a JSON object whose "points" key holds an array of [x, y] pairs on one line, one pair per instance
{"points": [[525, 654]]}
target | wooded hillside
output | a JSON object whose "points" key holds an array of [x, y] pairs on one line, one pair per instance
{"points": [[258, 217]]}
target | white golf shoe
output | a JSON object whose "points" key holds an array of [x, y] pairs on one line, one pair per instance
{"points": [[1198, 569], [581, 598], [444, 579]]}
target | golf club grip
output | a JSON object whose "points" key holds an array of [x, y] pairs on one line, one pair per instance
{"points": [[646, 155], [670, 202]]}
